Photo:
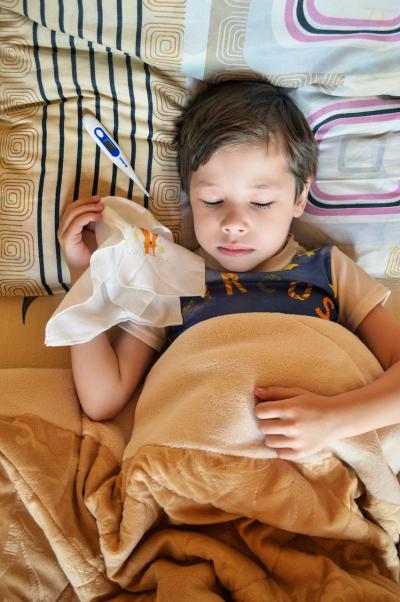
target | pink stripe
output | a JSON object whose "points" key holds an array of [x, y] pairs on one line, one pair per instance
{"points": [[349, 104], [312, 210], [354, 197], [362, 119], [325, 20], [300, 37]]}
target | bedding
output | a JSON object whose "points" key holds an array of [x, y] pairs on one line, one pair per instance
{"points": [[58, 61], [132, 64], [189, 505], [347, 49], [119, 511]]}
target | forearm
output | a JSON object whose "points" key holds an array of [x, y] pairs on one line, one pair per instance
{"points": [[370, 407], [95, 369], [107, 374], [96, 375]]}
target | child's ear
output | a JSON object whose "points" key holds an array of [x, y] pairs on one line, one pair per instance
{"points": [[302, 199]]}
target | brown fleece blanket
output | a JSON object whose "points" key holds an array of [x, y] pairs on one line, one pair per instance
{"points": [[191, 505]]}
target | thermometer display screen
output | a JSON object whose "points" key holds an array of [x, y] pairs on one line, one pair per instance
{"points": [[109, 146]]}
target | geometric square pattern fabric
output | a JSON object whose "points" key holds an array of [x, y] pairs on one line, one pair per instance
{"points": [[349, 48], [59, 61], [355, 200]]}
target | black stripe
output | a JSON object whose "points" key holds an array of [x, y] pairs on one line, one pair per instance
{"points": [[133, 120], [302, 19], [98, 115], [43, 13], [115, 114], [25, 7], [43, 160], [119, 25], [61, 15], [79, 119], [150, 134], [139, 23], [99, 22], [60, 157], [336, 116], [80, 19], [357, 205]]}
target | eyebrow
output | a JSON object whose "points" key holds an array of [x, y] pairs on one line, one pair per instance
{"points": [[205, 184]]}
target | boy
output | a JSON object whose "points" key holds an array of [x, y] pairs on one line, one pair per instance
{"points": [[247, 158]]}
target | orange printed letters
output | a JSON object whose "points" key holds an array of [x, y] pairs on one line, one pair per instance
{"points": [[299, 296], [230, 279], [328, 305]]}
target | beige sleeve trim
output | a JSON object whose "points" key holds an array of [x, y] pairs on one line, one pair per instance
{"points": [[357, 292]]}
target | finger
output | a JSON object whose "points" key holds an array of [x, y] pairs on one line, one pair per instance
{"points": [[285, 453], [271, 409], [82, 202], [74, 231], [77, 208], [278, 442], [72, 213], [287, 450], [277, 427], [86, 199], [277, 393]]}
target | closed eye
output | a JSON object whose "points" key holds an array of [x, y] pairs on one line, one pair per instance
{"points": [[212, 203], [263, 205]]}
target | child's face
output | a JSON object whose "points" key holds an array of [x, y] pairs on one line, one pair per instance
{"points": [[243, 204]]}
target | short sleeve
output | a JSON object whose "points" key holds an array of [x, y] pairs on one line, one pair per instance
{"points": [[153, 336], [357, 292]]}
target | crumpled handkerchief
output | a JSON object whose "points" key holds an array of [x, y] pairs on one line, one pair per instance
{"points": [[137, 274]]}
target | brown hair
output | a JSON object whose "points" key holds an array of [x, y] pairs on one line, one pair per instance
{"points": [[241, 112]]}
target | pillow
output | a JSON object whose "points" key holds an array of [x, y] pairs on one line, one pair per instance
{"points": [[50, 75], [348, 48], [128, 66], [355, 201]]}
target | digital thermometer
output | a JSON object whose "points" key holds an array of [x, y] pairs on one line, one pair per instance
{"points": [[110, 148]]}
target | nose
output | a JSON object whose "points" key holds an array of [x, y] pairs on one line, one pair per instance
{"points": [[234, 222]]}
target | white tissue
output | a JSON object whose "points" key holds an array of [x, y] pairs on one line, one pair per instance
{"points": [[137, 274]]}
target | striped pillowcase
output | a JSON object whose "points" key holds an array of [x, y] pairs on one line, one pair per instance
{"points": [[58, 61]]}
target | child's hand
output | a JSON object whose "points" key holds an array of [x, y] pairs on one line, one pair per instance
{"points": [[76, 233], [296, 422]]}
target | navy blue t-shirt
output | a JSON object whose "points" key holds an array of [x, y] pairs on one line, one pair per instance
{"points": [[302, 287]]}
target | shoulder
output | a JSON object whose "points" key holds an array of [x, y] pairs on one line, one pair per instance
{"points": [[357, 291]]}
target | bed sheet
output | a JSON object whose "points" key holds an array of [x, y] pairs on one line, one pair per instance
{"points": [[131, 64]]}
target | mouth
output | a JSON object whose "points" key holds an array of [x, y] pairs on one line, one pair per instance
{"points": [[234, 250]]}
